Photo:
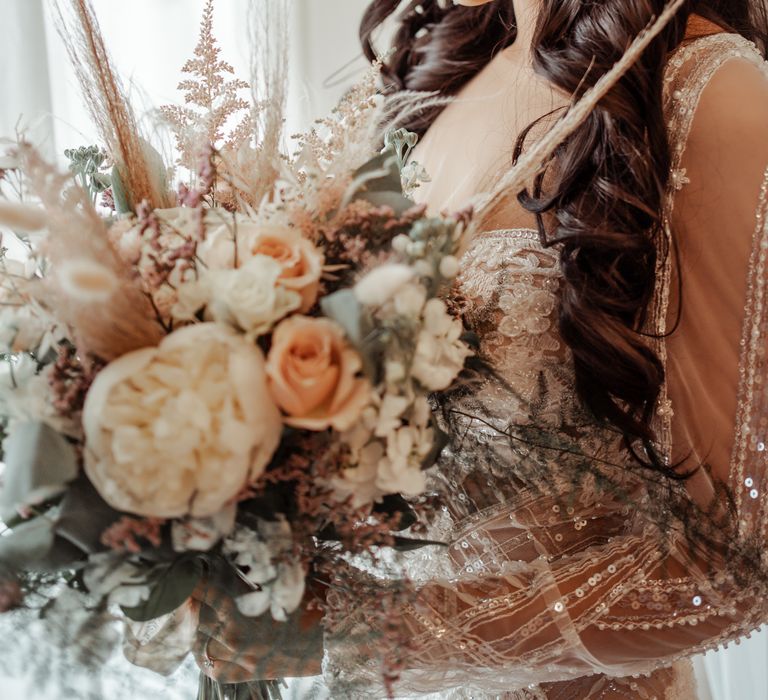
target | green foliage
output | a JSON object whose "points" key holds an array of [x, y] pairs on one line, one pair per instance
{"points": [[39, 463], [172, 586], [88, 164]]}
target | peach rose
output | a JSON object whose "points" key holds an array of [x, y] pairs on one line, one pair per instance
{"points": [[313, 375], [301, 262]]}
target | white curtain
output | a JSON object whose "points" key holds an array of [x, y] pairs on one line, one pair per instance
{"points": [[149, 41]]}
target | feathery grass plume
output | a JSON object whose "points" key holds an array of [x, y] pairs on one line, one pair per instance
{"points": [[106, 325], [536, 158], [252, 168], [211, 101], [140, 168]]}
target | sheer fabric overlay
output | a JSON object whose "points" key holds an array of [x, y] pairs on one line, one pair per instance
{"points": [[570, 572]]}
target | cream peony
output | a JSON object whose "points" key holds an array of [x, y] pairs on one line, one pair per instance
{"points": [[313, 374], [182, 428], [301, 263]]}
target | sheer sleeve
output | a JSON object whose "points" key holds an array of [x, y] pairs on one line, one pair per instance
{"points": [[563, 563]]}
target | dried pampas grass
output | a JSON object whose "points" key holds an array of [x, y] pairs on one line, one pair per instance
{"points": [[143, 179], [21, 218], [255, 167], [90, 289]]}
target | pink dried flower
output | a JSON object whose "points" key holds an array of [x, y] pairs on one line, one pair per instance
{"points": [[10, 595], [123, 535], [70, 379], [108, 199]]}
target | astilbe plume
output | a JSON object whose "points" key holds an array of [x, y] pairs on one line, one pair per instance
{"points": [[249, 170], [211, 99]]}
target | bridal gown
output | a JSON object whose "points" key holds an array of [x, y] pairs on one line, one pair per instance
{"points": [[570, 572]]}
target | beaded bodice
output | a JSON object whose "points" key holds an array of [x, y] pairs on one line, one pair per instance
{"points": [[569, 573]]}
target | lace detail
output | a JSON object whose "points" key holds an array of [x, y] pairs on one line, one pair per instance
{"points": [[684, 82]]}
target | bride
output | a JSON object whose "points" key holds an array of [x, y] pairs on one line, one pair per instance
{"points": [[621, 300]]}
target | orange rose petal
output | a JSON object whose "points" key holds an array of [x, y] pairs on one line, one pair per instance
{"points": [[351, 364]]}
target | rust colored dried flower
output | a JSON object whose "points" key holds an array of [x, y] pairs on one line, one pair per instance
{"points": [[70, 378], [11, 595], [123, 535]]}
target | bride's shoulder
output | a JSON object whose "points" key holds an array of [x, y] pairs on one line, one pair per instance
{"points": [[716, 85], [702, 57]]}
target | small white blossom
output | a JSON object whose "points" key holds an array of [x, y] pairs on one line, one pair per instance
{"points": [[410, 299], [122, 583], [440, 353], [401, 469], [382, 283], [265, 561], [449, 267], [201, 534], [391, 413], [400, 243]]}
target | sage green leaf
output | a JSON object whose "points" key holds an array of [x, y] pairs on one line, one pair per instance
{"points": [[380, 174], [119, 193], [392, 504], [344, 308], [399, 203], [39, 463], [27, 544], [158, 174], [174, 585], [409, 544], [84, 515]]}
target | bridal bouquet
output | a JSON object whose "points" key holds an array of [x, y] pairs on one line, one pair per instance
{"points": [[226, 379]]}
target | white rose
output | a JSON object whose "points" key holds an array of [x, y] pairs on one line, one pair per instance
{"points": [[301, 262], [182, 428], [248, 297]]}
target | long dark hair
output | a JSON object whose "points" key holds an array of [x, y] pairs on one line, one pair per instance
{"points": [[605, 188]]}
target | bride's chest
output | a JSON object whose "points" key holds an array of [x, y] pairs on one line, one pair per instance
{"points": [[509, 292]]}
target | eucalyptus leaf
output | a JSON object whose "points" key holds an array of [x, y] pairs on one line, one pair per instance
{"points": [[34, 546], [84, 515], [39, 463], [393, 504], [380, 174], [344, 308], [441, 441], [119, 193], [399, 203], [157, 171], [174, 586], [409, 544]]}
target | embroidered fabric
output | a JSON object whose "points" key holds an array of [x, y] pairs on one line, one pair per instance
{"points": [[570, 572]]}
